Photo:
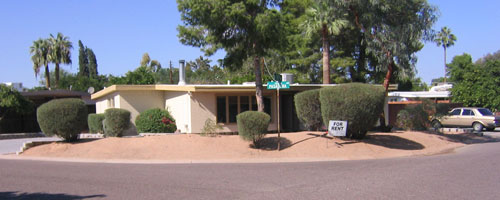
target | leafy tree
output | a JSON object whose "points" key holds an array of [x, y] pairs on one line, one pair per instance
{"points": [[152, 65], [327, 18], [92, 63], [40, 51], [393, 31], [244, 29], [60, 52], [83, 61], [488, 57], [12, 101], [140, 76], [475, 85], [445, 39]]}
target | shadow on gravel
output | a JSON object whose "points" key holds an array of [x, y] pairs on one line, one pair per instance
{"points": [[392, 142], [42, 196], [271, 144]]}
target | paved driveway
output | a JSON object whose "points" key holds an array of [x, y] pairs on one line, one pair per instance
{"points": [[11, 146]]}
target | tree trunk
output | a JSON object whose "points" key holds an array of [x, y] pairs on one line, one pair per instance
{"points": [[326, 56], [445, 70], [57, 75], [388, 76], [258, 84], [47, 77]]}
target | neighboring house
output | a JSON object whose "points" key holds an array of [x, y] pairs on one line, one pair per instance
{"points": [[398, 100], [16, 123]]}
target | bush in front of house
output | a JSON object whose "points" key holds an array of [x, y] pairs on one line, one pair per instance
{"points": [[252, 126], [418, 116], [116, 121], [155, 120], [65, 118], [95, 123], [358, 104], [308, 109]]}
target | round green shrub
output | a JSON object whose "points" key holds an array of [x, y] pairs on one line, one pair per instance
{"points": [[358, 104], [155, 120], [116, 121], [308, 109], [65, 118], [95, 123], [252, 125]]}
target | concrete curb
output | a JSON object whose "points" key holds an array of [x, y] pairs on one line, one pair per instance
{"points": [[30, 144], [20, 135]]}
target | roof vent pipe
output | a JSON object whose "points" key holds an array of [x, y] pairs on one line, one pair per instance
{"points": [[182, 73]]}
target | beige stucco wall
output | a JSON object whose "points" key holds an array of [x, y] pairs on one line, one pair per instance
{"points": [[189, 109], [139, 101], [179, 106], [203, 107], [102, 103]]}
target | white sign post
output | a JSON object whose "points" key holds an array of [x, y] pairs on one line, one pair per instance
{"points": [[337, 128]]}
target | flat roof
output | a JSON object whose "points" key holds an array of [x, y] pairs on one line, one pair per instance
{"points": [[205, 88], [422, 94]]}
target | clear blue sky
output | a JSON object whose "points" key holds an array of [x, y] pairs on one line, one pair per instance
{"points": [[119, 32]]}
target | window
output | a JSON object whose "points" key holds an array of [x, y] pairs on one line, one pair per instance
{"points": [[111, 102], [456, 112], [467, 112], [233, 108], [228, 107], [221, 110], [485, 112]]}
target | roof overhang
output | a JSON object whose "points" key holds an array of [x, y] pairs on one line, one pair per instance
{"points": [[203, 88]]}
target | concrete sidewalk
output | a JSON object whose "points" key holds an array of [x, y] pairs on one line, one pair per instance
{"points": [[11, 146]]}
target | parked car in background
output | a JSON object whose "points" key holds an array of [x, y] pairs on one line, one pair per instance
{"points": [[477, 118]]}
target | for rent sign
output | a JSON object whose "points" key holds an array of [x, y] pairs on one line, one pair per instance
{"points": [[337, 128]]}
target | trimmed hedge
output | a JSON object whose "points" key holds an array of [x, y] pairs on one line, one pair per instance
{"points": [[358, 104], [65, 118], [116, 122], [95, 123], [252, 126], [308, 109], [418, 116], [155, 120]]}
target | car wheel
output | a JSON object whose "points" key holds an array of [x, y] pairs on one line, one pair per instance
{"points": [[436, 124], [477, 126]]}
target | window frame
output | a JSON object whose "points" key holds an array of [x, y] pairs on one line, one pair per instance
{"points": [[250, 105]]}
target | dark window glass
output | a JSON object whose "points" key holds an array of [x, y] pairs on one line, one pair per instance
{"points": [[455, 112], [254, 103], [233, 108], [485, 112], [467, 112], [221, 110], [267, 105], [244, 103]]}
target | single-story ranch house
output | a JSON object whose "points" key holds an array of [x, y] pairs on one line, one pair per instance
{"points": [[192, 105]]}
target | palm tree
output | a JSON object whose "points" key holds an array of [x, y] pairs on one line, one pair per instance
{"points": [[327, 19], [40, 57], [61, 52], [445, 39]]}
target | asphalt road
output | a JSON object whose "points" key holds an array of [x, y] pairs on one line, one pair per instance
{"points": [[470, 173]]}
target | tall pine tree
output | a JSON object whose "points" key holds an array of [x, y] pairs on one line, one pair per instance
{"points": [[83, 61], [92, 65]]}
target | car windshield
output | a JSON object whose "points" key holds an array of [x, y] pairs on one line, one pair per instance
{"points": [[485, 112]]}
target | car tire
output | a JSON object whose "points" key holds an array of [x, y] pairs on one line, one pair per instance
{"points": [[477, 126], [436, 124]]}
